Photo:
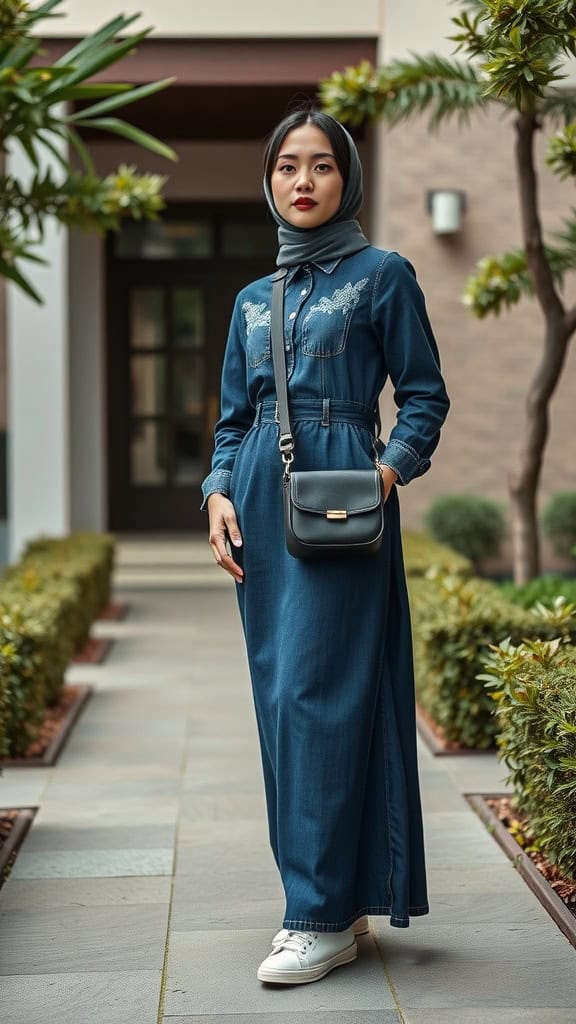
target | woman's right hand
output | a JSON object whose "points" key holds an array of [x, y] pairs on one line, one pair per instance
{"points": [[223, 524]]}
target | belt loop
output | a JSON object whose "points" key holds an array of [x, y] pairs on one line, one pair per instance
{"points": [[325, 412], [258, 415]]}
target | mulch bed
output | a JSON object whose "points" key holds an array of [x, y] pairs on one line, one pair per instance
{"points": [[433, 735], [14, 824], [93, 652], [519, 827], [54, 728], [113, 612]]}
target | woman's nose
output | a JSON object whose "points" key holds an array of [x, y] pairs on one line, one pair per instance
{"points": [[304, 182]]}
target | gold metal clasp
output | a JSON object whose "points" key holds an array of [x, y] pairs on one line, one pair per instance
{"points": [[336, 513]]}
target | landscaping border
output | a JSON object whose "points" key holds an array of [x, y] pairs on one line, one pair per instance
{"points": [[54, 748], [522, 862], [16, 836], [435, 744], [114, 611], [94, 651]]}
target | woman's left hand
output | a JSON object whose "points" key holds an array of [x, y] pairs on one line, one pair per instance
{"points": [[389, 478]]}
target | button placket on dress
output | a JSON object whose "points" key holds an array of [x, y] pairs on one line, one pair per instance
{"points": [[299, 289]]}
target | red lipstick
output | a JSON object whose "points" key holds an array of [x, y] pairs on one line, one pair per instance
{"points": [[304, 204]]}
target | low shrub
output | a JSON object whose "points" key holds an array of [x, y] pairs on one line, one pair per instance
{"points": [[559, 523], [47, 603], [533, 686], [422, 552], [454, 621], [472, 525], [543, 588]]}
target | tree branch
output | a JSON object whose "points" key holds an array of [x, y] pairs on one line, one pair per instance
{"points": [[550, 302], [570, 321]]}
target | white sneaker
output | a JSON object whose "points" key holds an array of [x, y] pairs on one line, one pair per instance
{"points": [[307, 956], [360, 927]]}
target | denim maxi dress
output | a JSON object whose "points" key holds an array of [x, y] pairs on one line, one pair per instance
{"points": [[329, 641]]}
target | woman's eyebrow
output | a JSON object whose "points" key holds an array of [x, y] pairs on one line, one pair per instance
{"points": [[292, 156]]}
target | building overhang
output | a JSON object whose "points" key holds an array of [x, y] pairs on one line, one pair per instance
{"points": [[225, 88]]}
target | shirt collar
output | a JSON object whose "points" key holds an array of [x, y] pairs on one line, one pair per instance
{"points": [[328, 266]]}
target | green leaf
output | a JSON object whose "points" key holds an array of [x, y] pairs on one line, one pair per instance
{"points": [[120, 101], [97, 90], [128, 131], [10, 271], [82, 150], [92, 63], [102, 35]]}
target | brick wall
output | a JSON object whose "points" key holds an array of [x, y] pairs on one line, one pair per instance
{"points": [[488, 364]]}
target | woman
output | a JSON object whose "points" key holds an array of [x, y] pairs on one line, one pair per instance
{"points": [[328, 640]]}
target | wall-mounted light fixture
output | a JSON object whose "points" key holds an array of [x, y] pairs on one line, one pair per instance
{"points": [[446, 205]]}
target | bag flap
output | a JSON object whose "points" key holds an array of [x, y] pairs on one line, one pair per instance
{"points": [[353, 491]]}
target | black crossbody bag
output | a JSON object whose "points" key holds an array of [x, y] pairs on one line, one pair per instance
{"points": [[327, 512]]}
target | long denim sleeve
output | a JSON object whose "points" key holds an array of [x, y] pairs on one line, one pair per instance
{"points": [[411, 354], [236, 411]]}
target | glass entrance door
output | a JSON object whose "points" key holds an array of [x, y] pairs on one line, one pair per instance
{"points": [[171, 292]]}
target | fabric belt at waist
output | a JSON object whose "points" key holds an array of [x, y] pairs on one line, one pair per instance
{"points": [[320, 410]]}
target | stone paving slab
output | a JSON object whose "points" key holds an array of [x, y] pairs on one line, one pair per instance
{"points": [[49, 940], [93, 863], [108, 813], [488, 965], [86, 892], [120, 837], [194, 986], [469, 1015], [130, 997], [320, 1016]]}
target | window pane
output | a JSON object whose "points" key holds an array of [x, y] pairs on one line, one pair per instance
{"points": [[148, 453], [147, 374], [188, 464], [147, 318], [188, 312], [249, 238], [188, 385], [164, 240]]}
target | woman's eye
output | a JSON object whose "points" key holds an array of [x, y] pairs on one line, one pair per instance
{"points": [[286, 167], [323, 167]]}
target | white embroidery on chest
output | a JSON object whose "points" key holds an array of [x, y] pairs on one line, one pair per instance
{"points": [[256, 315], [343, 300]]}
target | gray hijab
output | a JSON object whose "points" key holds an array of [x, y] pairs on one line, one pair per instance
{"points": [[339, 236]]}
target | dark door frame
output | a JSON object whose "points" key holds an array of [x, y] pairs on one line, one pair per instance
{"points": [[153, 508]]}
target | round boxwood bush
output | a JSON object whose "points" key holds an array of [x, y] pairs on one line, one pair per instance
{"points": [[559, 523], [471, 525]]}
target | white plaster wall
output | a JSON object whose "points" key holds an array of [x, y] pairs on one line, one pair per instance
{"points": [[229, 18], [38, 412]]}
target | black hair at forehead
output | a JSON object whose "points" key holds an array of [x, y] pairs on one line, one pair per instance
{"points": [[325, 122]]}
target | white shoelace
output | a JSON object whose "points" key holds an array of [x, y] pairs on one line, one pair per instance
{"points": [[298, 942]]}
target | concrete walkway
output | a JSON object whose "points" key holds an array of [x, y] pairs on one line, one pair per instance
{"points": [[146, 892]]}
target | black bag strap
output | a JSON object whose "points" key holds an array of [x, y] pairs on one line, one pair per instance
{"points": [[286, 442]]}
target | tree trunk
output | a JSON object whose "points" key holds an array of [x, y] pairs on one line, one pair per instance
{"points": [[524, 485]]}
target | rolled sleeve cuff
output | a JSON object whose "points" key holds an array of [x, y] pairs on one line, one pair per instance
{"points": [[404, 461], [217, 482]]}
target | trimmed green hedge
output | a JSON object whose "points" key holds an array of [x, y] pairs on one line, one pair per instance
{"points": [[544, 588], [534, 687], [421, 553], [47, 603], [454, 620]]}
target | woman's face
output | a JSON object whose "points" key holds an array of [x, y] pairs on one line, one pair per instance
{"points": [[306, 183]]}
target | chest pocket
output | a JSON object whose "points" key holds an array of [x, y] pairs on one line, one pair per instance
{"points": [[327, 322], [258, 345]]}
